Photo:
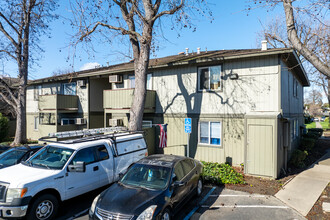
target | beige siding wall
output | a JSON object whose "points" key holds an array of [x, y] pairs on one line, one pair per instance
{"points": [[256, 89], [290, 104], [232, 139], [261, 148], [31, 104], [30, 132]]}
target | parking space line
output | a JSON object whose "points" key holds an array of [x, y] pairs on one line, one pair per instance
{"points": [[252, 196], [246, 206], [78, 214], [199, 204]]}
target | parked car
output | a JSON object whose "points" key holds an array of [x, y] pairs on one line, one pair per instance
{"points": [[66, 169], [153, 188], [3, 148], [316, 119], [17, 154], [323, 118]]}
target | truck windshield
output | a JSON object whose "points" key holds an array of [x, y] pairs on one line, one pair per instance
{"points": [[147, 176], [50, 157]]}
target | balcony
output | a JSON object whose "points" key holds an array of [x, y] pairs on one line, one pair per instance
{"points": [[121, 100], [59, 103]]}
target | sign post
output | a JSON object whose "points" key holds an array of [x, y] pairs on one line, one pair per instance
{"points": [[187, 129]]}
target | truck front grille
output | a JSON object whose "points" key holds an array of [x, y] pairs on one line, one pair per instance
{"points": [[2, 192], [106, 215]]}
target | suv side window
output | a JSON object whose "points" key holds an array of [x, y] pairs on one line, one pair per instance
{"points": [[85, 155], [102, 152], [178, 170]]}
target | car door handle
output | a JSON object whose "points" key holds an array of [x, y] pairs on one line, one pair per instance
{"points": [[95, 168]]}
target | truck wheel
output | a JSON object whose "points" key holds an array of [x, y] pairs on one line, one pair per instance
{"points": [[43, 208]]}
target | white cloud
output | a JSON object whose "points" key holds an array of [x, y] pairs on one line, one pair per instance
{"points": [[88, 66]]}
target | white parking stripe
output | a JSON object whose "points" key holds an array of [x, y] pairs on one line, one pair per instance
{"points": [[246, 206], [254, 196]]}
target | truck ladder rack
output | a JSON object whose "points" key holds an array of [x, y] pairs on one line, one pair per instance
{"points": [[88, 135]]}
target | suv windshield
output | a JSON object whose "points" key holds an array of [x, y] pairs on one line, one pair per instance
{"points": [[147, 176], [10, 157], [50, 157]]}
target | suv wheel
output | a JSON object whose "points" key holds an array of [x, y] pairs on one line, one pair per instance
{"points": [[43, 208]]}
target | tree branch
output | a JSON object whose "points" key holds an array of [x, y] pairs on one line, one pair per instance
{"points": [[9, 90], [296, 42], [8, 53], [8, 22], [122, 30], [7, 35], [169, 12]]}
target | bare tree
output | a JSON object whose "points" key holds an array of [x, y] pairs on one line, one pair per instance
{"points": [[314, 12], [22, 22], [139, 21]]}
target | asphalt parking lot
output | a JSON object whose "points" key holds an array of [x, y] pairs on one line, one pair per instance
{"points": [[219, 203], [229, 204]]}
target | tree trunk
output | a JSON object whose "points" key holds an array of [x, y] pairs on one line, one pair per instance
{"points": [[298, 45], [141, 69], [20, 135]]}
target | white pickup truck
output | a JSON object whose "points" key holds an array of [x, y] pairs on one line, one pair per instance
{"points": [[63, 170]]}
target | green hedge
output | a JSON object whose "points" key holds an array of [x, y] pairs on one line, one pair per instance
{"points": [[307, 144], [318, 131], [298, 157], [221, 174], [4, 127]]}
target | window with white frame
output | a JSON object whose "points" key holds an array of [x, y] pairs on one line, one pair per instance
{"points": [[69, 88], [68, 121], [146, 124], [37, 92], [210, 133], [131, 80], [149, 82], [209, 78], [36, 123], [295, 87]]}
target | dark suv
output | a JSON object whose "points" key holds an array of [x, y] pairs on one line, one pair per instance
{"points": [[15, 155]]}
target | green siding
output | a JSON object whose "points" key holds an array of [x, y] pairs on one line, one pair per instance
{"points": [[58, 102], [123, 98]]}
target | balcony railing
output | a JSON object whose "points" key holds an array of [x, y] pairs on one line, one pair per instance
{"points": [[122, 99], [58, 102]]}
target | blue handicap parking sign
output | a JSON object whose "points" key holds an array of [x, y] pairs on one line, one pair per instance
{"points": [[187, 125]]}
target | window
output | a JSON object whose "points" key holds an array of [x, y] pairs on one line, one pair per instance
{"points": [[295, 88], [149, 82], [131, 80], [69, 88], [47, 118], [188, 165], [68, 121], [210, 133], [178, 170], [37, 92], [209, 78], [296, 128], [85, 155], [102, 152], [146, 124], [36, 123]]}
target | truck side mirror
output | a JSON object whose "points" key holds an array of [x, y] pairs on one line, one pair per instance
{"points": [[80, 166]]}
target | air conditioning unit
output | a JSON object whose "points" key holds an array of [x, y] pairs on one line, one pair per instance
{"points": [[115, 122], [115, 79], [80, 121], [81, 83]]}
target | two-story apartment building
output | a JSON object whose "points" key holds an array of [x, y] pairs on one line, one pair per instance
{"points": [[246, 106]]}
